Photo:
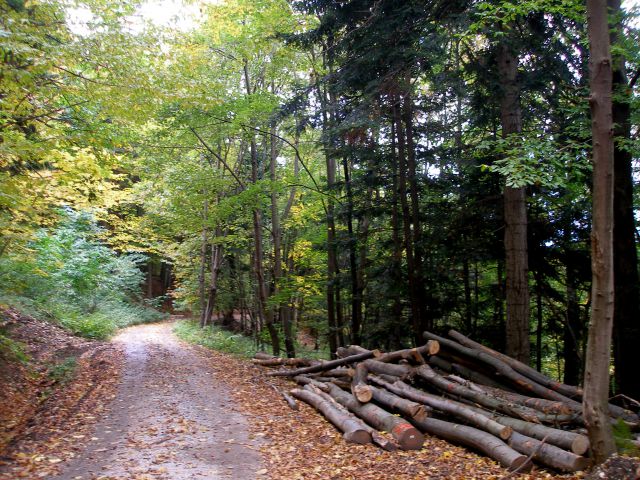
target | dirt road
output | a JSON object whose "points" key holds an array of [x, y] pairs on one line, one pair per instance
{"points": [[170, 419]]}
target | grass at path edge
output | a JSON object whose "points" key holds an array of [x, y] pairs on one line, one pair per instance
{"points": [[215, 338]]}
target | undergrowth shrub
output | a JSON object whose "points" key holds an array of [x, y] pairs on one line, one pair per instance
{"points": [[215, 338], [70, 276]]}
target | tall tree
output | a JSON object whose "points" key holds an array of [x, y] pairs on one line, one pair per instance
{"points": [[626, 320], [596, 380], [515, 215]]}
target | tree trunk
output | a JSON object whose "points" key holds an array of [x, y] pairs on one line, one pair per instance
{"points": [[407, 436], [574, 442], [276, 234], [547, 454], [425, 322], [203, 265], [356, 294], [216, 261], [352, 427], [626, 319], [450, 407], [323, 366], [478, 440], [515, 218], [406, 223], [266, 316], [596, 382], [566, 390]]}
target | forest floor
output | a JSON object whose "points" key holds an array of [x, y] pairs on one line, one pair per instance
{"points": [[159, 408]]}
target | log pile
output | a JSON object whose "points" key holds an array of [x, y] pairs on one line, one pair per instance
{"points": [[455, 389]]}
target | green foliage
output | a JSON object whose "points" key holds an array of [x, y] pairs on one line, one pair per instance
{"points": [[215, 338], [624, 439], [530, 160], [68, 274], [62, 372], [12, 351]]}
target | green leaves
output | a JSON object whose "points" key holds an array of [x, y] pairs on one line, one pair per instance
{"points": [[535, 160]]}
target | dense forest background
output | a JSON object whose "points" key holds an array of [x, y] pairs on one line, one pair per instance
{"points": [[317, 173]]}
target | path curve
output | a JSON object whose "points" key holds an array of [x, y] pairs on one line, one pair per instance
{"points": [[170, 419]]}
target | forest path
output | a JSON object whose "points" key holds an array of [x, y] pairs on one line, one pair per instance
{"points": [[170, 419]]}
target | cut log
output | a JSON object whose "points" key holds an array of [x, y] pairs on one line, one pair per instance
{"points": [[407, 436], [304, 380], [359, 387], [478, 377], [567, 390], [401, 371], [524, 383], [571, 441], [415, 354], [548, 454], [439, 362], [450, 407], [352, 428], [323, 366], [377, 439], [526, 378], [485, 400], [540, 404], [351, 350], [402, 405], [335, 372], [288, 398], [278, 361], [476, 439]]}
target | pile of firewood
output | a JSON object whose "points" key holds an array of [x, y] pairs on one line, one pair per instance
{"points": [[459, 390]]}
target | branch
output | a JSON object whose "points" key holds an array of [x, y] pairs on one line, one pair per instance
{"points": [[218, 157]]}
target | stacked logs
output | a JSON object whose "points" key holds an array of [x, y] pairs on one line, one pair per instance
{"points": [[456, 389]]}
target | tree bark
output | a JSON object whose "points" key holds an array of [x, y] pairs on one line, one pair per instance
{"points": [[478, 440], [515, 218], [407, 407], [596, 382], [450, 407], [416, 315], [352, 428], [266, 316], [574, 442], [359, 386], [407, 436], [531, 373], [203, 264], [323, 366], [547, 454], [483, 399]]}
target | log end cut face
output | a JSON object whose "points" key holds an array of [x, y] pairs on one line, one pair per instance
{"points": [[408, 437], [521, 464]]}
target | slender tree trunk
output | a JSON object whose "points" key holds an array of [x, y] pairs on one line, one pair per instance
{"points": [[626, 320], [203, 265], [276, 233], [356, 299], [467, 295], [572, 331], [396, 263], [216, 261], [424, 321], [596, 382], [515, 218], [539, 317], [406, 222], [265, 314]]}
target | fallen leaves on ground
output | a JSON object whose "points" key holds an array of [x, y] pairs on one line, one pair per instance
{"points": [[45, 418], [303, 445]]}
